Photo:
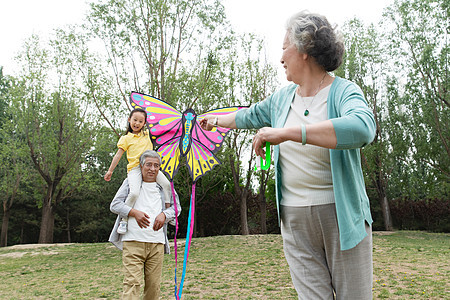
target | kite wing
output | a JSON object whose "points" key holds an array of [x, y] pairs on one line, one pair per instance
{"points": [[201, 158], [213, 139], [165, 127]]}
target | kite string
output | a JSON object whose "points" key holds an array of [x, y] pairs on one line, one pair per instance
{"points": [[189, 233], [176, 232]]}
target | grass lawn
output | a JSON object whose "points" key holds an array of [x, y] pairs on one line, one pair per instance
{"points": [[407, 265]]}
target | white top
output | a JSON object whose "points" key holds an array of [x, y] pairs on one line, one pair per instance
{"points": [[306, 169], [149, 201]]}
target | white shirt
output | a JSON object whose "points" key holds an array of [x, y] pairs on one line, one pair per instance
{"points": [[149, 201], [306, 169]]}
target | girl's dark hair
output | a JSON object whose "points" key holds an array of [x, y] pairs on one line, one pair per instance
{"points": [[312, 34], [140, 110]]}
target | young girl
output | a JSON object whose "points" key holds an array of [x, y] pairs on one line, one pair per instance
{"points": [[135, 142]]}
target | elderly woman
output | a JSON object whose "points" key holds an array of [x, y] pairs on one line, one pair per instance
{"points": [[319, 124]]}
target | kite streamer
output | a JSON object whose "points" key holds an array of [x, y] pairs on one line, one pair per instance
{"points": [[175, 135]]}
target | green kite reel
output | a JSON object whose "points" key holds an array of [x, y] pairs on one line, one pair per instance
{"points": [[264, 164]]}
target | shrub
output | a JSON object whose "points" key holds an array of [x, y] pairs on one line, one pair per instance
{"points": [[424, 214]]}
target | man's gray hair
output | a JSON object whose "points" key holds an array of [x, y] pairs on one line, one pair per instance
{"points": [[149, 153]]}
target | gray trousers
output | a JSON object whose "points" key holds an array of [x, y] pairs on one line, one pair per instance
{"points": [[319, 269]]}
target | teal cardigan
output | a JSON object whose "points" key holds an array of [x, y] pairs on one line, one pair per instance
{"points": [[354, 125]]}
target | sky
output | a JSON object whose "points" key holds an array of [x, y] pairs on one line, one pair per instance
{"points": [[21, 18]]}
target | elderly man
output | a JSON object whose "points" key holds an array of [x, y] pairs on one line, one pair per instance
{"points": [[146, 241]]}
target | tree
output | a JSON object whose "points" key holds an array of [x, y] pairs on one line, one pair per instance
{"points": [[364, 64], [251, 79], [53, 118], [12, 159], [419, 89], [148, 43], [13, 170]]}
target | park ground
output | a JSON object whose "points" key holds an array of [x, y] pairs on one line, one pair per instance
{"points": [[407, 265]]}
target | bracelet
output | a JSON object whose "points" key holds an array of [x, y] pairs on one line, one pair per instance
{"points": [[303, 134], [216, 119]]}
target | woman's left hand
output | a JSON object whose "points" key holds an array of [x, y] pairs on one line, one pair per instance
{"points": [[266, 134]]}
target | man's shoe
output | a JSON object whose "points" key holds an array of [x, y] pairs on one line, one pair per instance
{"points": [[122, 227]]}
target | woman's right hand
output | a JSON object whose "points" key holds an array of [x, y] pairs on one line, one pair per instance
{"points": [[274, 136], [108, 176]]}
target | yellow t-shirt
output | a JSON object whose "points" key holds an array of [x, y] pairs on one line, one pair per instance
{"points": [[134, 145]]}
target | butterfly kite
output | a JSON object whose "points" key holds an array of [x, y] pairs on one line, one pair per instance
{"points": [[176, 135]]}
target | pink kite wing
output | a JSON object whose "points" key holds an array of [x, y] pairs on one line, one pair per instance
{"points": [[170, 157], [165, 128], [200, 160], [163, 120], [213, 139]]}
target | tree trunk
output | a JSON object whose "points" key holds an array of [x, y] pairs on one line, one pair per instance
{"points": [[7, 204], [386, 213], [241, 193], [5, 224], [69, 238], [384, 204], [380, 183], [263, 210], [22, 225], [381, 190], [47, 223], [243, 211]]}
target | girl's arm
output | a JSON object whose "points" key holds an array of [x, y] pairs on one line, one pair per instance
{"points": [[114, 163]]}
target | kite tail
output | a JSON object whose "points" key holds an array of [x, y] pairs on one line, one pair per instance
{"points": [[190, 230], [176, 233]]}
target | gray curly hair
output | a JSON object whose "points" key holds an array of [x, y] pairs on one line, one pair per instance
{"points": [[313, 34]]}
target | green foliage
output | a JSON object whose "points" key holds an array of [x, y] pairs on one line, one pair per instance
{"points": [[149, 42], [404, 76], [420, 97], [364, 64], [53, 121], [87, 216], [5, 84]]}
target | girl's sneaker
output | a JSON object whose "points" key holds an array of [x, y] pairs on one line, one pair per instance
{"points": [[122, 227]]}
